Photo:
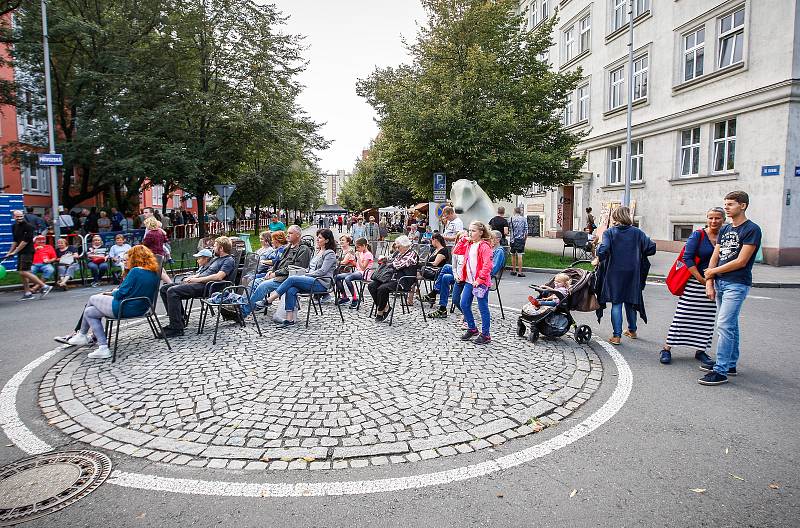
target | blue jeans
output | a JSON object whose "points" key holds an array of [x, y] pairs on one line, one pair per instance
{"points": [[483, 308], [616, 318], [263, 289], [298, 284], [45, 269], [730, 297], [348, 278], [97, 269], [458, 287], [548, 303], [447, 269]]}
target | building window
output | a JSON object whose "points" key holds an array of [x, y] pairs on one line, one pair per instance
{"points": [[619, 11], [682, 232], [157, 192], [615, 165], [189, 202], [637, 161], [176, 201], [568, 116], [569, 43], [640, 7], [585, 27], [616, 94], [731, 38], [539, 11], [724, 145], [640, 68], [690, 152], [583, 103], [35, 179], [544, 10], [693, 54]]}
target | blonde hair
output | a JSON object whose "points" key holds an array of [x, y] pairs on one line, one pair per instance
{"points": [[486, 233], [151, 223], [622, 215], [225, 243], [562, 278]]}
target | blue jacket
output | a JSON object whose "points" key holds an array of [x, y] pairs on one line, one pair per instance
{"points": [[623, 267], [498, 260], [138, 283]]}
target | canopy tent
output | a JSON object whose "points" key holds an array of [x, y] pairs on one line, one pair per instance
{"points": [[391, 209], [330, 209]]}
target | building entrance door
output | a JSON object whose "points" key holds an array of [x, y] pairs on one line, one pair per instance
{"points": [[567, 204]]}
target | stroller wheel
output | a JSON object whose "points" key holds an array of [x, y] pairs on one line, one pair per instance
{"points": [[534, 335], [520, 328], [583, 334]]}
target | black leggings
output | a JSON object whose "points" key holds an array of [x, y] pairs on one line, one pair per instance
{"points": [[380, 292]]}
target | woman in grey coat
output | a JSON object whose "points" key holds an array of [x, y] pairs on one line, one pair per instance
{"points": [[317, 280]]}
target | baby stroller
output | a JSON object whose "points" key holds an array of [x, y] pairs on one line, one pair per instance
{"points": [[555, 321]]}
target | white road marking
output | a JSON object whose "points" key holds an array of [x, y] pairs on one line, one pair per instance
{"points": [[759, 297], [24, 438]]}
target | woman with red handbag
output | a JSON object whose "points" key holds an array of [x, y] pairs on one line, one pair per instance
{"points": [[693, 322]]}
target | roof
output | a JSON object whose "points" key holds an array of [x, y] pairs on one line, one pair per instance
{"points": [[330, 208]]}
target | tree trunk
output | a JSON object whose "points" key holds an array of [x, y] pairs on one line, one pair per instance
{"points": [[201, 213]]}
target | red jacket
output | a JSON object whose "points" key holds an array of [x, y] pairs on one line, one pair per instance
{"points": [[484, 272], [41, 253]]}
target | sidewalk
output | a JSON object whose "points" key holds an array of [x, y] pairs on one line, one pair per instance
{"points": [[764, 276]]}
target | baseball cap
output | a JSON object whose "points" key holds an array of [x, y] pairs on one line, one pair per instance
{"points": [[203, 253]]}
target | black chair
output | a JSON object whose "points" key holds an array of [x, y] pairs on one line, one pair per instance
{"points": [[495, 287], [188, 304], [315, 299], [579, 242], [150, 315], [400, 291], [206, 306]]}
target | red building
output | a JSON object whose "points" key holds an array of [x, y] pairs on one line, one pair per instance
{"points": [[152, 196]]}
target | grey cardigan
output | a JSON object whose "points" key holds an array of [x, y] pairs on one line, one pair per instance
{"points": [[323, 265]]}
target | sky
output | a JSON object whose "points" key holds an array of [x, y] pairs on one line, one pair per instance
{"points": [[346, 40]]}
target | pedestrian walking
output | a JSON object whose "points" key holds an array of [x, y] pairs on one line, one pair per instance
{"points": [[731, 268], [22, 247], [693, 322], [519, 234], [623, 267]]}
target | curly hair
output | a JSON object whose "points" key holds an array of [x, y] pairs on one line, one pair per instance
{"points": [[141, 257], [152, 223], [279, 237]]}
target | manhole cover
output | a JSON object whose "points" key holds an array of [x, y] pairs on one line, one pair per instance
{"points": [[42, 484]]}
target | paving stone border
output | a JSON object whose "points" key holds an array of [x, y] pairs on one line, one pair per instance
{"points": [[331, 397]]}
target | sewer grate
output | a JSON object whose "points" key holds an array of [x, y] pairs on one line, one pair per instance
{"points": [[42, 484]]}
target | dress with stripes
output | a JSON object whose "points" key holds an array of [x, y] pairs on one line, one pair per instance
{"points": [[693, 322]]}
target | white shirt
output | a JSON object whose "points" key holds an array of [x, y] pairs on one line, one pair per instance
{"points": [[453, 226], [472, 263]]}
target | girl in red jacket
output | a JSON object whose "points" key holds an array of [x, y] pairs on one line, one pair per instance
{"points": [[477, 273]]}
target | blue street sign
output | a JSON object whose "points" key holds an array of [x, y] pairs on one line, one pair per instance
{"points": [[770, 170], [797, 172], [439, 181], [51, 160]]}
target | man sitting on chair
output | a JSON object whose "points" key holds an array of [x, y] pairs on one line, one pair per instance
{"points": [[194, 286]]}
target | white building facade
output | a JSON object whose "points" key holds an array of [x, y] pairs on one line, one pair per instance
{"points": [[716, 108], [332, 184]]}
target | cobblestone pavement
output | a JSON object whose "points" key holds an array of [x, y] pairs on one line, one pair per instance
{"points": [[330, 397]]}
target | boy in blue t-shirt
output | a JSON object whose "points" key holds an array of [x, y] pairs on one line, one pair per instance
{"points": [[731, 268]]}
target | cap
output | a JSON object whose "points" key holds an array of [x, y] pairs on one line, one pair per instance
{"points": [[203, 253]]}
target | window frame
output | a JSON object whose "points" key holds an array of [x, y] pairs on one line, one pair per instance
{"points": [[616, 5], [620, 84], [569, 43], [639, 11], [643, 73], [692, 148], [156, 194], [615, 168], [731, 33], [694, 52], [580, 100], [584, 30], [726, 142], [637, 159], [32, 171]]}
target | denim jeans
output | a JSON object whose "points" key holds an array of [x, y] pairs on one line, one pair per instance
{"points": [[730, 297], [443, 283], [483, 308], [262, 290], [45, 269], [616, 318], [298, 284], [345, 283], [458, 287], [446, 270], [97, 269]]}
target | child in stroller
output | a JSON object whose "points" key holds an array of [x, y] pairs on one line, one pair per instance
{"points": [[549, 314]]}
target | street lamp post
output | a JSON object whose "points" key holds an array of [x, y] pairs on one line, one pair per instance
{"points": [[626, 197], [50, 131]]}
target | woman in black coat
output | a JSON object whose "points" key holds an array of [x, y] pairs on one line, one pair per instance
{"points": [[622, 256]]}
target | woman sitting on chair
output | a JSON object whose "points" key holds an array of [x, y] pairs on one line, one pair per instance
{"points": [[402, 263], [141, 280], [322, 267]]}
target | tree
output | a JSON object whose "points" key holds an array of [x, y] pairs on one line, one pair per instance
{"points": [[476, 102]]}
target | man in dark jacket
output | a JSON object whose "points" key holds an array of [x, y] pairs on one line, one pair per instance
{"points": [[297, 255]]}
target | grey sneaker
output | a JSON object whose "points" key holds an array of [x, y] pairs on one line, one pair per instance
{"points": [[45, 291], [27, 297]]}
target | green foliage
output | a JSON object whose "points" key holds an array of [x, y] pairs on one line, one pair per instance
{"points": [[476, 102]]}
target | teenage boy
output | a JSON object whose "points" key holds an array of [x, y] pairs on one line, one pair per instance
{"points": [[728, 280]]}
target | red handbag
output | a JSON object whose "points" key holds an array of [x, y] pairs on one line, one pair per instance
{"points": [[679, 273]]}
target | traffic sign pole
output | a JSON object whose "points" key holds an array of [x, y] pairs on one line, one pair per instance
{"points": [[56, 214]]}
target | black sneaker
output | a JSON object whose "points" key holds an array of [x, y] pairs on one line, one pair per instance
{"points": [[431, 296], [666, 357], [482, 340], [703, 358], [171, 332], [709, 368], [441, 313], [713, 378], [469, 334]]}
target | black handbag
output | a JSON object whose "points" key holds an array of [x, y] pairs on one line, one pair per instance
{"points": [[384, 273], [430, 272]]}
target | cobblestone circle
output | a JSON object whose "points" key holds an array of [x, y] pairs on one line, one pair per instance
{"points": [[329, 397]]}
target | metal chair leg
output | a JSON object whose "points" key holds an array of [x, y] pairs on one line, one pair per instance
{"points": [[422, 305], [308, 312], [394, 303], [500, 301], [109, 327], [116, 341], [160, 329], [255, 320], [216, 328]]}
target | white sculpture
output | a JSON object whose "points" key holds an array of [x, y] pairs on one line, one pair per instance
{"points": [[471, 202]]}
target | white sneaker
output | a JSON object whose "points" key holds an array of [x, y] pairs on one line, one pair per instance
{"points": [[78, 339], [102, 352]]}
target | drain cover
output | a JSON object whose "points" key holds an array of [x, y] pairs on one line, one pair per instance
{"points": [[42, 484]]}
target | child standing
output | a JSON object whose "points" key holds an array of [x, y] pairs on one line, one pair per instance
{"points": [[476, 271]]}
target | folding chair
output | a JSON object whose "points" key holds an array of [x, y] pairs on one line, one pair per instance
{"points": [[315, 299], [495, 287], [207, 305], [188, 304], [413, 288]]}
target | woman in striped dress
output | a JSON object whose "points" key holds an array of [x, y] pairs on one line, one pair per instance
{"points": [[693, 322]]}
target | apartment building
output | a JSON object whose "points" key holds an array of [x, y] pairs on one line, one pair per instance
{"points": [[716, 107], [332, 184]]}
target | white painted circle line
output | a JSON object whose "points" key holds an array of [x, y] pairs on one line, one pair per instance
{"points": [[18, 433]]}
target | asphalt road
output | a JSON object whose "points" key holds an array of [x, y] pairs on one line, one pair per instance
{"points": [[638, 469]]}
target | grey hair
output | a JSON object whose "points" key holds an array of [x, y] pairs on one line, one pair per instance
{"points": [[518, 210], [295, 229], [15, 211], [497, 234], [403, 241], [717, 209]]}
